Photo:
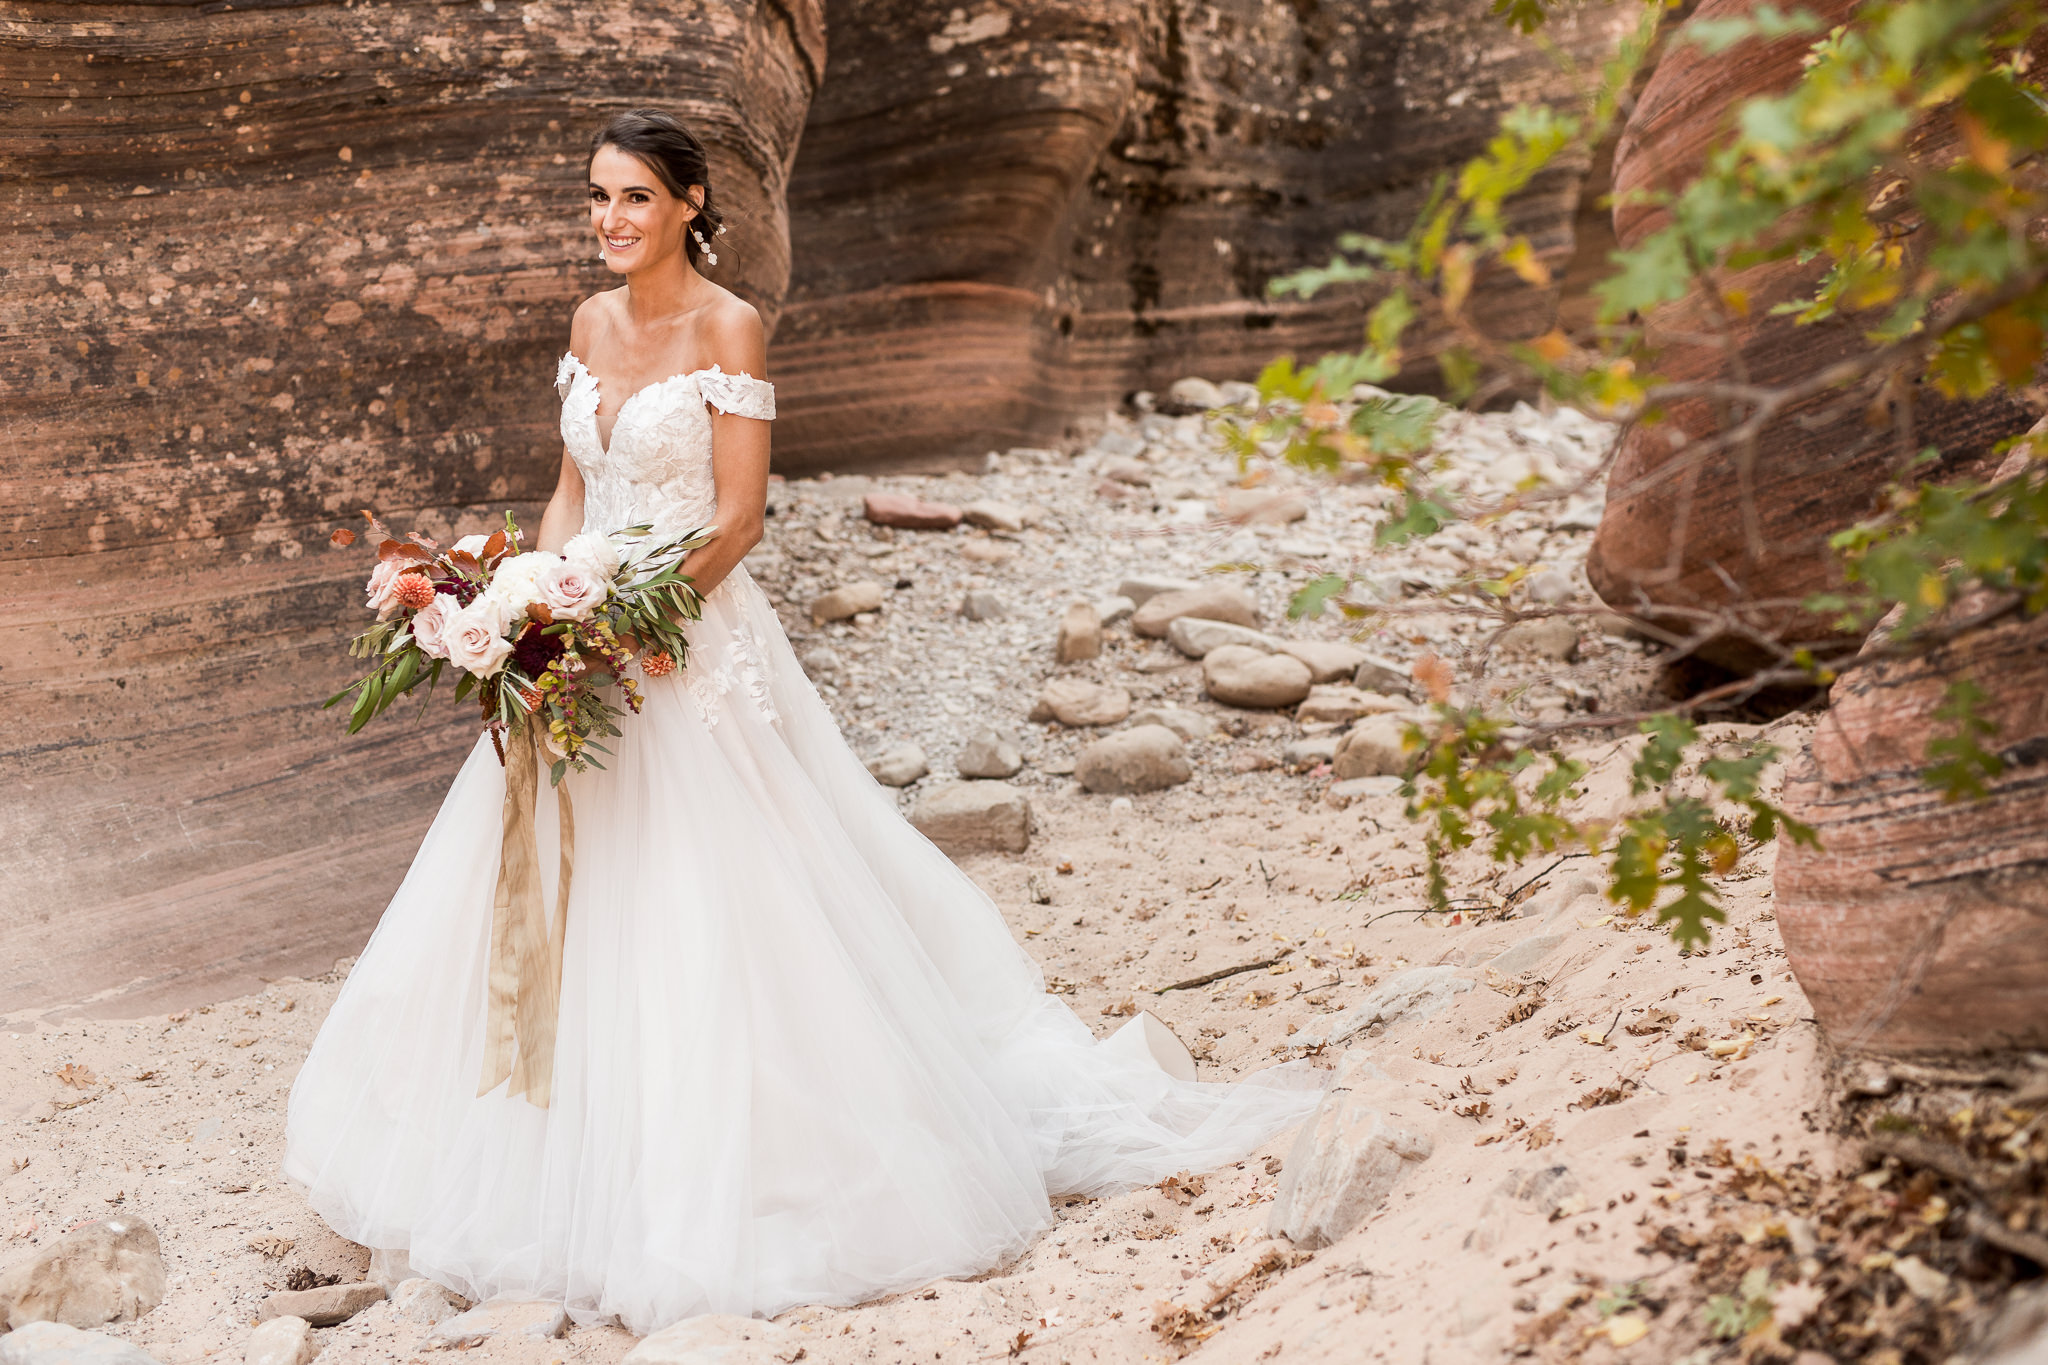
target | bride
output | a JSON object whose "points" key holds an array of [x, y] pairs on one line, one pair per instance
{"points": [[799, 1057]]}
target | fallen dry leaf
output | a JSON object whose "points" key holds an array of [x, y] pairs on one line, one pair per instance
{"points": [[1128, 1005], [273, 1247], [24, 1226], [76, 1076]]}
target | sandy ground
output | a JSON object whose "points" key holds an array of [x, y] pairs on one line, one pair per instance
{"points": [[1569, 1102]]}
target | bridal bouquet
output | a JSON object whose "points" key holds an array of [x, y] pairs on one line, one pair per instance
{"points": [[534, 635]]}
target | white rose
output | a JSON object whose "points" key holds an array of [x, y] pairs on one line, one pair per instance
{"points": [[381, 594], [593, 552], [475, 638], [515, 583], [430, 621], [470, 545], [570, 590]]}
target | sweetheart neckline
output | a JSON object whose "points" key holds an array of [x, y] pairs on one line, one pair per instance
{"points": [[604, 445]]}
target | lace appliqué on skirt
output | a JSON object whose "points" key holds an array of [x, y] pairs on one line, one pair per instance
{"points": [[740, 666]]}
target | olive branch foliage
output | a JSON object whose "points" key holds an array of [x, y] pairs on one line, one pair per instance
{"points": [[1933, 261]]}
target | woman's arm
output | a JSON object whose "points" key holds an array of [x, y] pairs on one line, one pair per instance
{"points": [[564, 517], [739, 454]]}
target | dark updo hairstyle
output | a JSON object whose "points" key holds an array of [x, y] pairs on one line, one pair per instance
{"points": [[675, 156]]}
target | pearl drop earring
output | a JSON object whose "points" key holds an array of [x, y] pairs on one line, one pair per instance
{"points": [[704, 246]]}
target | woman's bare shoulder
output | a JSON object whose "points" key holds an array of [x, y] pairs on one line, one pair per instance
{"points": [[593, 316], [734, 336]]}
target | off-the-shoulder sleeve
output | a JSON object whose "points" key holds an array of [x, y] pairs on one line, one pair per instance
{"points": [[742, 395], [565, 375]]}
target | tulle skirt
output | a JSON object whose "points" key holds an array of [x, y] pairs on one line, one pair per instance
{"points": [[800, 1058]]}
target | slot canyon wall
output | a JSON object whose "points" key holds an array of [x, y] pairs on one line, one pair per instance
{"points": [[266, 267], [1007, 215]]}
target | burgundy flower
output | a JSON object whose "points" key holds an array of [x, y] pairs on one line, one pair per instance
{"points": [[533, 651]]}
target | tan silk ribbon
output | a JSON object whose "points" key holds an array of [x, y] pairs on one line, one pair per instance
{"points": [[525, 953]]}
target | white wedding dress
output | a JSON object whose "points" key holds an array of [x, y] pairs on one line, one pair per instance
{"points": [[800, 1057]]}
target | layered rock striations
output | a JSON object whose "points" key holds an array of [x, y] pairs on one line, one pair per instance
{"points": [[1004, 215], [265, 267], [1746, 529]]}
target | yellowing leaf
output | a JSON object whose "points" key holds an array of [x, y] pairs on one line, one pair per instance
{"points": [[1737, 301], [1520, 257], [1553, 346], [1457, 276]]}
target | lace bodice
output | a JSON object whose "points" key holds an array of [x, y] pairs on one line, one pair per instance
{"points": [[657, 467]]}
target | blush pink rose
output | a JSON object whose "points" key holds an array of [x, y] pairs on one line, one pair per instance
{"points": [[382, 594], [429, 624], [570, 590], [475, 638]]}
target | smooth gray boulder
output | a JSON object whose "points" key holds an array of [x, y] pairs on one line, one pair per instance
{"points": [[1143, 589], [1192, 726], [899, 765], [1337, 704], [323, 1307], [1145, 759], [1078, 702], [1211, 602], [1328, 660], [974, 817], [1195, 637], [1549, 637], [1372, 748], [989, 754], [1238, 675], [850, 600]]}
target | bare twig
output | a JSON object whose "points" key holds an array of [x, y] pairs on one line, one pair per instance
{"points": [[1208, 977]]}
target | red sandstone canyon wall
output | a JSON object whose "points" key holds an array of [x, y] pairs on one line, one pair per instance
{"points": [[265, 266]]}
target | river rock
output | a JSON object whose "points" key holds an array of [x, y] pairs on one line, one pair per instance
{"points": [[981, 604], [1348, 1158], [974, 817], [1144, 759], [1336, 704], [1191, 726], [716, 1339], [1341, 794], [1143, 589], [1328, 660], [907, 512], [56, 1343], [1114, 609], [1238, 675], [323, 1306], [899, 765], [1080, 635], [1262, 506], [106, 1271], [1372, 748], [1195, 637], [991, 515], [1076, 701], [202, 384], [1383, 676], [1417, 993], [851, 600], [281, 1341], [1194, 393], [989, 754], [1211, 602]]}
